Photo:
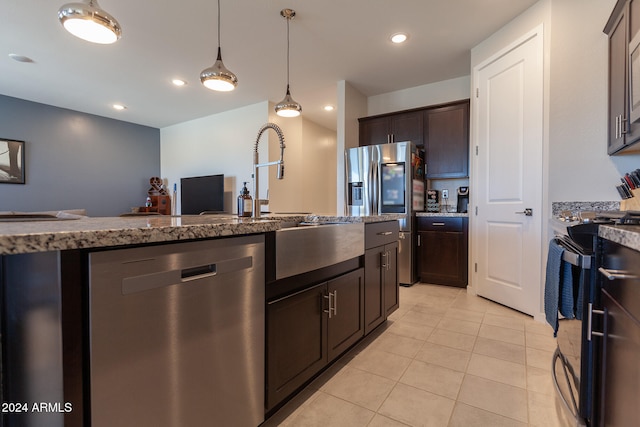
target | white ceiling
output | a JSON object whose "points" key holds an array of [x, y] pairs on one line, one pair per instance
{"points": [[331, 40]]}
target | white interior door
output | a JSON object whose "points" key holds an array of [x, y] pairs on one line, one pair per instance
{"points": [[508, 178]]}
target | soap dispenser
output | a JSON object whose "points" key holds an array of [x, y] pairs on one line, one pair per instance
{"points": [[245, 202]]}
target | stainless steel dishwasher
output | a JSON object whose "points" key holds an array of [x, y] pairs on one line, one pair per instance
{"points": [[177, 334]]}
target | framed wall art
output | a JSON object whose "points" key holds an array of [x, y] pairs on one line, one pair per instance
{"points": [[11, 161]]}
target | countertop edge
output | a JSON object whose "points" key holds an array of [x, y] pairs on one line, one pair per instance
{"points": [[626, 235], [104, 232]]}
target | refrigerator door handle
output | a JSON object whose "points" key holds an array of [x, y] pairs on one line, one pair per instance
{"points": [[374, 188]]}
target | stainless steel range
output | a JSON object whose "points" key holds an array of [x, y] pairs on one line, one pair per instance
{"points": [[576, 354]]}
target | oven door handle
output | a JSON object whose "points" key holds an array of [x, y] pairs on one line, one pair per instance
{"points": [[569, 255]]}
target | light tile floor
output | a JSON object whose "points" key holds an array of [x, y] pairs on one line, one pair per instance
{"points": [[444, 358]]}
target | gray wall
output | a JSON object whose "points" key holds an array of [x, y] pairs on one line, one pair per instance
{"points": [[75, 160]]}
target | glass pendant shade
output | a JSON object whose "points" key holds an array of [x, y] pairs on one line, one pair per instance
{"points": [[288, 107], [218, 77], [87, 21]]}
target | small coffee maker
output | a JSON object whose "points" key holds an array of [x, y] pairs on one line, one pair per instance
{"points": [[463, 199]]}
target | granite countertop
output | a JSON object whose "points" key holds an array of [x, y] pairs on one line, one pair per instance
{"points": [[626, 235], [18, 237], [445, 214]]}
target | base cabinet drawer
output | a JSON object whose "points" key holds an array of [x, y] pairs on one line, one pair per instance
{"points": [[441, 224], [381, 233]]}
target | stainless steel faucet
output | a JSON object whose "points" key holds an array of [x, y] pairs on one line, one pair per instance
{"points": [[256, 164]]}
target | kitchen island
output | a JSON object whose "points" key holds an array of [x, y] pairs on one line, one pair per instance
{"points": [[51, 305]]}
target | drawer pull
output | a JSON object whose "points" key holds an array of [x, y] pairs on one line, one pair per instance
{"points": [[385, 233], [616, 274], [438, 224]]}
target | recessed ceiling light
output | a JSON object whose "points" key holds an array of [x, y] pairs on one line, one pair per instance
{"points": [[399, 38], [178, 82], [20, 58], [119, 107], [328, 108]]}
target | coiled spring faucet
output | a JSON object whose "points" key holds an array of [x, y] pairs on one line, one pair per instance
{"points": [[256, 164]]}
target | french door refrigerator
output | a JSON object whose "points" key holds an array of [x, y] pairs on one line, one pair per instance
{"points": [[388, 179]]}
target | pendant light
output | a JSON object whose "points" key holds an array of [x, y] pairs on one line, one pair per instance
{"points": [[218, 77], [288, 107], [87, 21]]}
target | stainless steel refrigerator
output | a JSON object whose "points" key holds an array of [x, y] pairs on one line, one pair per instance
{"points": [[385, 179]]}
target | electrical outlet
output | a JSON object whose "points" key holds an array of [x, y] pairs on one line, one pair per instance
{"points": [[445, 194]]}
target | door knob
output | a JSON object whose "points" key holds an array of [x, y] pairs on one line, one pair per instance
{"points": [[526, 212]]}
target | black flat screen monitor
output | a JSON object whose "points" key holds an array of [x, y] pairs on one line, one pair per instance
{"points": [[202, 193]]}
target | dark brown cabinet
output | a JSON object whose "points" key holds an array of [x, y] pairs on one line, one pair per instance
{"points": [[443, 131], [345, 301], [385, 129], [619, 368], [622, 26], [308, 329], [443, 250], [446, 141], [381, 273]]}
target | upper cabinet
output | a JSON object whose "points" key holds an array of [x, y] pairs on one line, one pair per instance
{"points": [[391, 128], [443, 131], [446, 141], [624, 67]]}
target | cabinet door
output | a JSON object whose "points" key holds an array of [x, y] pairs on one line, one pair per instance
{"points": [[374, 311], [374, 131], [632, 135], [440, 262], [391, 284], [407, 127], [346, 319], [620, 374], [617, 82], [446, 141], [443, 250], [296, 346], [621, 30]]}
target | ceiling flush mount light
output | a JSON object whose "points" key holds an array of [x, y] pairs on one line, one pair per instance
{"points": [[218, 77], [399, 38], [20, 58], [288, 107], [87, 21]]}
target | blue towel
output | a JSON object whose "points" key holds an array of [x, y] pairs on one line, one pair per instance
{"points": [[581, 290], [567, 299], [552, 284]]}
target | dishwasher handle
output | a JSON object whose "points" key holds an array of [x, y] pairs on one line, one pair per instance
{"points": [[201, 272], [155, 280]]}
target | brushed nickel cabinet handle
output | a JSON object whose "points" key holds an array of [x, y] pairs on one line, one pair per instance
{"points": [[330, 310], [590, 313], [335, 302], [616, 274]]}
